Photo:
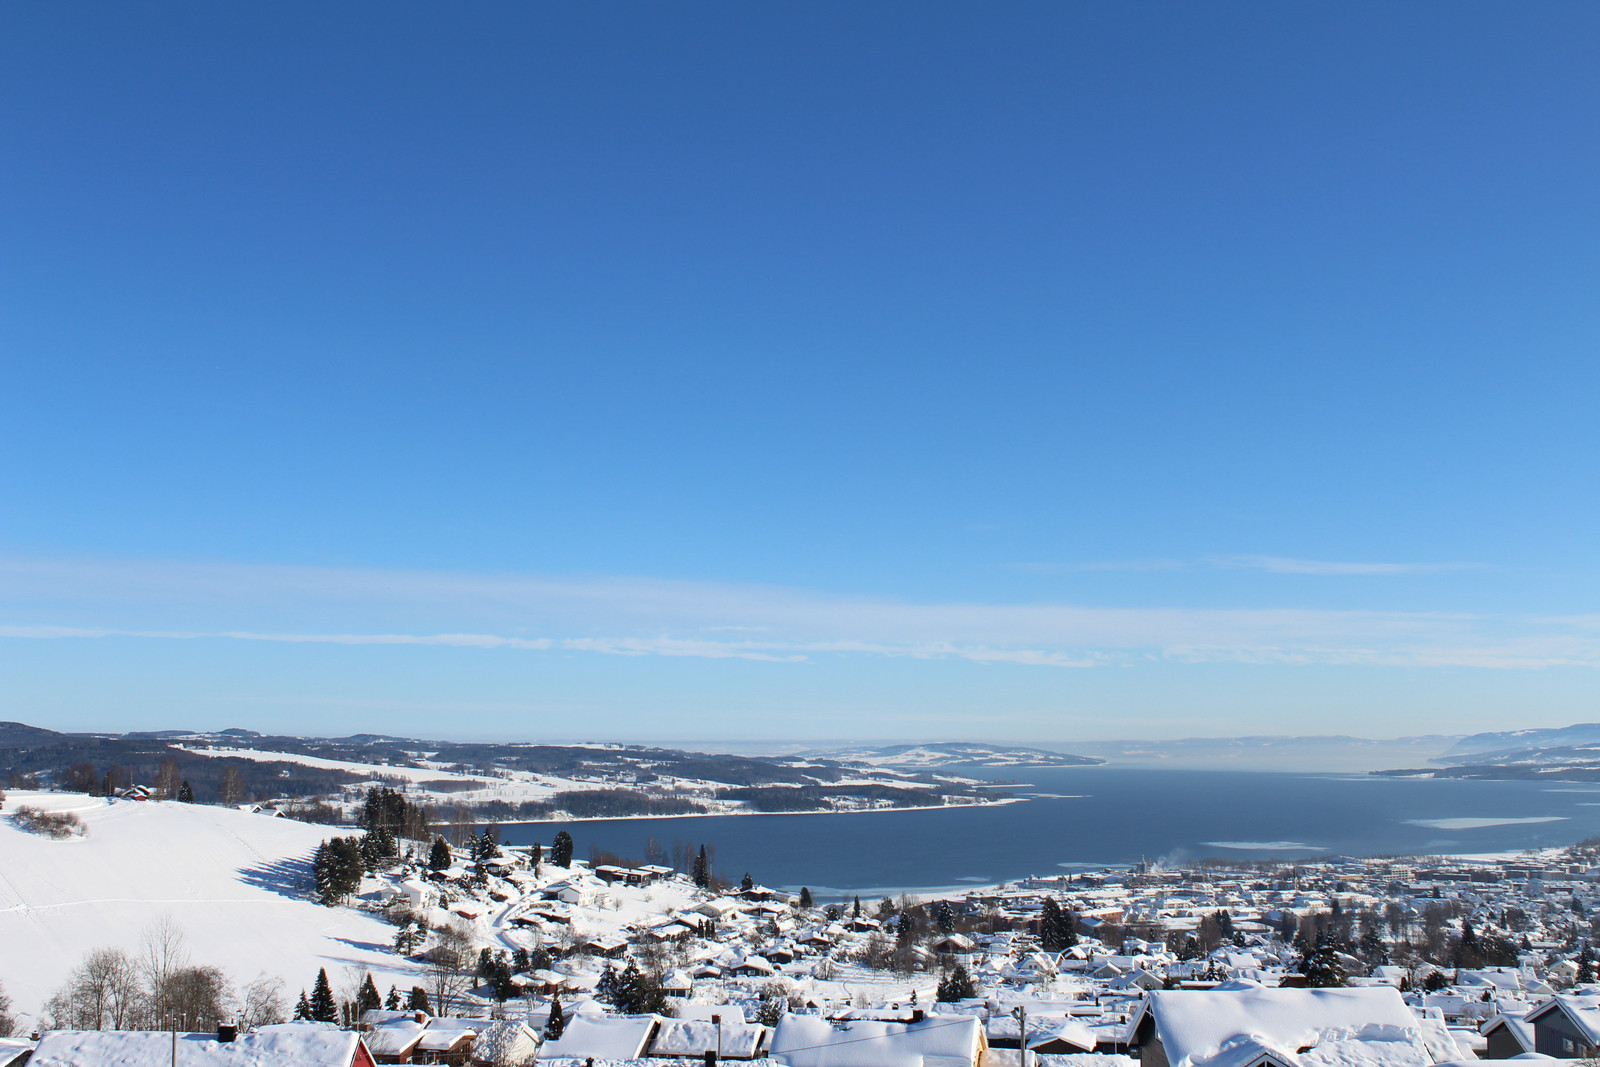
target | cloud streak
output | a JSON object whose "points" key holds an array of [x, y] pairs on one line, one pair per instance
{"points": [[1285, 565], [1271, 564], [158, 600]]}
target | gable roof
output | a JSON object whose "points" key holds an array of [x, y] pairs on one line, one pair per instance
{"points": [[695, 1037], [296, 1045], [1234, 1027], [601, 1037], [1583, 1011], [938, 1041], [1515, 1025]]}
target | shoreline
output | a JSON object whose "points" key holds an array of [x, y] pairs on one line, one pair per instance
{"points": [[744, 814]]}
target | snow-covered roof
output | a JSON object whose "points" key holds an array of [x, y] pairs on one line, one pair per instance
{"points": [[506, 1041], [693, 1037], [14, 1050], [939, 1041], [393, 1039], [601, 1037], [1237, 1027], [286, 1046], [1519, 1028], [1584, 1011]]}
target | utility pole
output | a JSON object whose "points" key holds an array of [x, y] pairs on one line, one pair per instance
{"points": [[1020, 1013]]}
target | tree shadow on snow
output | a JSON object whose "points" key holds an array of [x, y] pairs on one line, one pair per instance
{"points": [[289, 878]]}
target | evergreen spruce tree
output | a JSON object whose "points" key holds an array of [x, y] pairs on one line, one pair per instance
{"points": [[1373, 950], [1050, 935], [746, 883], [806, 902], [855, 909], [561, 849], [1069, 929], [392, 1001], [302, 1010], [368, 999], [905, 930], [439, 855], [323, 1008], [186, 792], [1321, 966], [702, 870], [956, 985], [535, 856], [418, 1000], [557, 1021], [605, 989]]}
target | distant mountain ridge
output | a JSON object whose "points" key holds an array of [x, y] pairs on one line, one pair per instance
{"points": [[1578, 734], [960, 753]]}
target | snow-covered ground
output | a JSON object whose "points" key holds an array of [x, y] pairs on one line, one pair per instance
{"points": [[516, 786], [233, 881]]}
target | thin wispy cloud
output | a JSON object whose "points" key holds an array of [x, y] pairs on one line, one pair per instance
{"points": [[1286, 565], [1271, 564], [637, 617]]}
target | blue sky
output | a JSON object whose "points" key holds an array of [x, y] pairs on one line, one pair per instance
{"points": [[783, 371]]}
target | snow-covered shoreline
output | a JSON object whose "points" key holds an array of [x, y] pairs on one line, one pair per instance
{"points": [[731, 814]]}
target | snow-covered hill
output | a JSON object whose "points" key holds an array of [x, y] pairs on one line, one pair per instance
{"points": [[935, 754], [232, 880]]}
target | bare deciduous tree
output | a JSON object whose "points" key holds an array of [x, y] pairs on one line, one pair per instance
{"points": [[199, 997], [8, 1022], [449, 961], [163, 952], [262, 1003], [232, 786], [103, 991], [167, 779]]}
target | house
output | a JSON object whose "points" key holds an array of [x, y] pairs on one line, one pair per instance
{"points": [[506, 1041], [447, 1041], [1066, 1038], [955, 945], [1242, 1024], [719, 909], [937, 1041], [299, 1044], [597, 1036], [753, 967], [1507, 1036], [730, 1038], [392, 1036], [610, 946], [1567, 1027]]}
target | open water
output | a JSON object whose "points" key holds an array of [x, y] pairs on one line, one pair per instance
{"points": [[1088, 817]]}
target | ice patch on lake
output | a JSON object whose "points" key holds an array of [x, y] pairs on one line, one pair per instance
{"points": [[1263, 846], [1479, 824]]}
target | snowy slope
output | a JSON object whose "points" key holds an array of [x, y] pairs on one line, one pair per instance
{"points": [[232, 880]]}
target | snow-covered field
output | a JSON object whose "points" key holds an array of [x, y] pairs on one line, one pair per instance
{"points": [[233, 881]]}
